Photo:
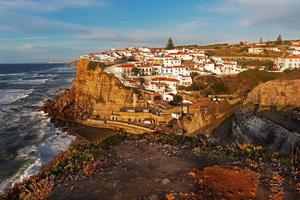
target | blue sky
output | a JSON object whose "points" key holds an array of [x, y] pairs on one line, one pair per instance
{"points": [[62, 30]]}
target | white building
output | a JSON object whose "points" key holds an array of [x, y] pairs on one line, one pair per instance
{"points": [[125, 69], [175, 71], [288, 62], [181, 55], [185, 80], [131, 82], [256, 50], [145, 70], [171, 83], [169, 62], [209, 66], [155, 86]]}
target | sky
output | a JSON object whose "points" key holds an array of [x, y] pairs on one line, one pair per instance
{"points": [[62, 30]]}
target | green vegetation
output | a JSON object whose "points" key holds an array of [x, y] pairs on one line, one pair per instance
{"points": [[256, 63], [279, 39], [194, 74], [135, 71], [170, 44], [100, 100], [94, 65], [238, 85], [177, 99], [219, 88]]}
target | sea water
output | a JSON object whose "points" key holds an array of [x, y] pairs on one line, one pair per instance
{"points": [[28, 139]]}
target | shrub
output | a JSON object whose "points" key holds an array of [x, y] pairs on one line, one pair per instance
{"points": [[94, 65], [177, 99]]}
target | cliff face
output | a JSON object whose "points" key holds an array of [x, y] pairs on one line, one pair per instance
{"points": [[279, 93], [94, 93], [207, 118], [103, 92], [246, 126]]}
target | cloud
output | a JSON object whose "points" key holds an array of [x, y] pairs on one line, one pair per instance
{"points": [[284, 13], [45, 5], [25, 47], [193, 25]]}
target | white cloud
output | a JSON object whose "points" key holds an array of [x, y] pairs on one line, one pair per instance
{"points": [[193, 25], [45, 5], [25, 47], [284, 13]]}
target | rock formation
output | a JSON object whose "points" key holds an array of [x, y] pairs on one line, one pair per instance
{"points": [[225, 183], [94, 93], [279, 93], [245, 126]]}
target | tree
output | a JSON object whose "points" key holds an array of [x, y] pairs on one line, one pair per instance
{"points": [[135, 71], [177, 99], [261, 40], [279, 39], [170, 44]]}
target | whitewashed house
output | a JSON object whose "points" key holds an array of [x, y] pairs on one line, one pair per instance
{"points": [[288, 62], [175, 71], [145, 70], [125, 69], [185, 80], [170, 61]]}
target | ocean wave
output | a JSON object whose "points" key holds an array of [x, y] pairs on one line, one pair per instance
{"points": [[29, 81], [8, 96], [45, 152], [13, 74]]}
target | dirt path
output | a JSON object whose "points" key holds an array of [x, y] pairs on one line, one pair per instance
{"points": [[136, 170]]}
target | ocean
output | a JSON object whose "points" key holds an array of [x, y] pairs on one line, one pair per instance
{"points": [[28, 139]]}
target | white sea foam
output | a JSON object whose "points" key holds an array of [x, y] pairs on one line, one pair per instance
{"points": [[13, 74], [60, 141], [29, 81], [8, 96]]}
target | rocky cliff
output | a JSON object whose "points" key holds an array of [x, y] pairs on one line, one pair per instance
{"points": [[279, 93], [205, 119], [94, 93], [246, 126]]}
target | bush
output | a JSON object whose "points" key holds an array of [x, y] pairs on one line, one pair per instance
{"points": [[219, 88], [177, 99], [94, 65], [100, 100]]}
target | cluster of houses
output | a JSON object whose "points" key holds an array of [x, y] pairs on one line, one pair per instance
{"points": [[289, 61], [259, 48], [163, 71]]}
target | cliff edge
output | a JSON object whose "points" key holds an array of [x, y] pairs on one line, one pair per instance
{"points": [[94, 93]]}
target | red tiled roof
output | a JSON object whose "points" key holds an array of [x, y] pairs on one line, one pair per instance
{"points": [[165, 79], [127, 65], [291, 57]]}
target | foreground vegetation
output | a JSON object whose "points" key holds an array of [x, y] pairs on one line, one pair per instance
{"points": [[276, 171]]}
